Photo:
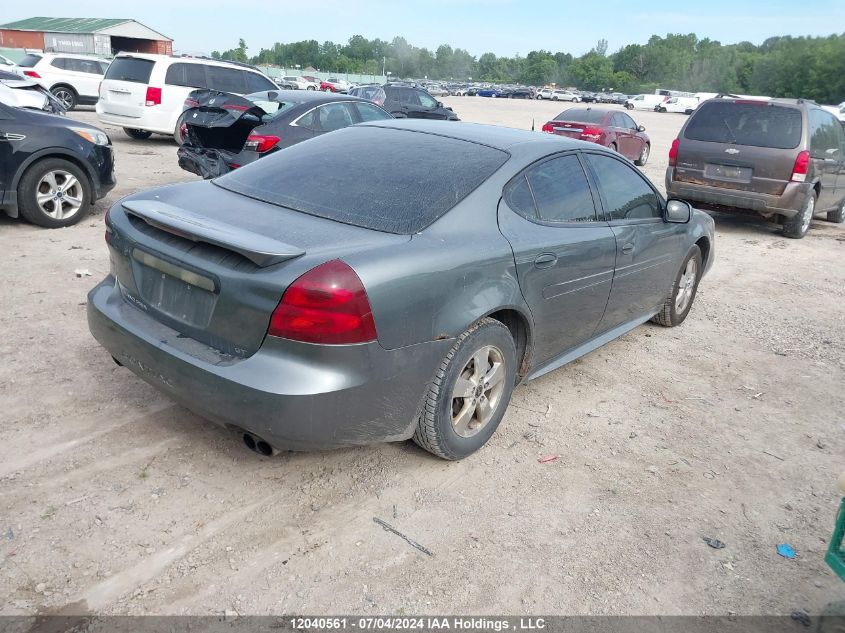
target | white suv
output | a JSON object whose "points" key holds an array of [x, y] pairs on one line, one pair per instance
{"points": [[72, 78], [145, 94], [557, 95], [302, 83]]}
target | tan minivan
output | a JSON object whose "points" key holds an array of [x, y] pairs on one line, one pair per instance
{"points": [[783, 159]]}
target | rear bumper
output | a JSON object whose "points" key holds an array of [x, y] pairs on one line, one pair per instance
{"points": [[158, 121], [296, 396], [786, 204]]}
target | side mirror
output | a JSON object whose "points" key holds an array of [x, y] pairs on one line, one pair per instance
{"points": [[678, 211], [641, 128], [439, 104]]}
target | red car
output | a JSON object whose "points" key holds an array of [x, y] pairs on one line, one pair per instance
{"points": [[611, 128]]}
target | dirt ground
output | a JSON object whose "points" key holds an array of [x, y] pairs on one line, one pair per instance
{"points": [[113, 499]]}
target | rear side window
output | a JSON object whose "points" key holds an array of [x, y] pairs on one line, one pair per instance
{"points": [[826, 136], [561, 191], [333, 116], [132, 69], [369, 112], [83, 66], [626, 195], [381, 183], [188, 75], [29, 61], [60, 62], [226, 79], [754, 124], [258, 83]]}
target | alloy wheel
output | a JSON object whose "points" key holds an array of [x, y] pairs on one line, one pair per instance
{"points": [[64, 95], [478, 391], [59, 194], [808, 212], [686, 286]]}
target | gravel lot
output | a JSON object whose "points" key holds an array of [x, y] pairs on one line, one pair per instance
{"points": [[116, 500]]}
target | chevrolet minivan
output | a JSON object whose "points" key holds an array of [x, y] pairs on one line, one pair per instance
{"points": [[783, 159]]}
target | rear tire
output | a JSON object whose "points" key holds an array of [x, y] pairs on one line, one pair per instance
{"points": [[643, 159], [628, 106], [177, 132], [677, 306], [613, 148], [66, 95], [138, 135], [798, 225], [310, 88], [453, 425], [837, 216], [47, 198]]}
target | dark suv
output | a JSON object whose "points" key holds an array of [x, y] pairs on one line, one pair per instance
{"points": [[403, 101], [783, 159]]}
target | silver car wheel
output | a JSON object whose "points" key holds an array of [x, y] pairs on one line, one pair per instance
{"points": [[644, 154], [808, 213], [59, 194], [686, 286], [478, 391], [64, 95]]}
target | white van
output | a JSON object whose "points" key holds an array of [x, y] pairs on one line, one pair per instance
{"points": [[145, 94], [684, 105], [645, 102]]}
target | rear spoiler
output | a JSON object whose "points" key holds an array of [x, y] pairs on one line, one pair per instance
{"points": [[261, 250]]}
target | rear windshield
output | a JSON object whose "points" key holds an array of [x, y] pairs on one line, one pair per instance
{"points": [[389, 180], [368, 92], [272, 108], [581, 115], [29, 61], [754, 124], [132, 69]]}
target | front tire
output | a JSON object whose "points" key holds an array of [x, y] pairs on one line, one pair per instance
{"points": [[798, 225], [628, 106], [138, 135], [677, 306], [54, 193], [66, 95], [837, 216], [470, 392]]}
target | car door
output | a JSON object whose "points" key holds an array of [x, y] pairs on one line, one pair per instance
{"points": [[429, 106], [88, 75], [14, 145], [648, 249], [635, 141], [564, 253], [623, 136], [826, 154]]}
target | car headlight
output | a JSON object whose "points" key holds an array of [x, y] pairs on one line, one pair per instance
{"points": [[92, 136]]}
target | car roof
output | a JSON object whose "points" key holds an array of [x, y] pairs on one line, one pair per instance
{"points": [[180, 59], [303, 96], [502, 138], [71, 55]]}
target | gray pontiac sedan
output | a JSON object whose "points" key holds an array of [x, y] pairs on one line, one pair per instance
{"points": [[391, 280]]}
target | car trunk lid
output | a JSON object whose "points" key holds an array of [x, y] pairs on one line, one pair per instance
{"points": [[217, 275]]}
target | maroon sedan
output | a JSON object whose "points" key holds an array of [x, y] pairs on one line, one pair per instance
{"points": [[611, 128]]}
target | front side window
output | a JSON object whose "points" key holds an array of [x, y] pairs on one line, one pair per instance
{"points": [[627, 196], [825, 135], [561, 191], [426, 100]]}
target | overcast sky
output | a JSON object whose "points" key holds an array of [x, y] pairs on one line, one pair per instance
{"points": [[504, 27]]}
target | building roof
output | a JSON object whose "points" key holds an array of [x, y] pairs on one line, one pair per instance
{"points": [[86, 25]]}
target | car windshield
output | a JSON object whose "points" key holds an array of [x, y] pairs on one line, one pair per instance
{"points": [[758, 124], [581, 115], [381, 186], [29, 61]]}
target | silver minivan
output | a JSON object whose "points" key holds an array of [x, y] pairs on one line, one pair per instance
{"points": [[783, 159]]}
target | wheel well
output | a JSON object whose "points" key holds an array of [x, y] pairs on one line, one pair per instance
{"points": [[63, 85], [521, 333], [818, 188], [704, 246], [71, 159]]}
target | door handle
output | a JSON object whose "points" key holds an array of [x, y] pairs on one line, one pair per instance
{"points": [[545, 260], [627, 248]]}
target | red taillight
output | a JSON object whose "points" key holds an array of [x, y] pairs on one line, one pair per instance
{"points": [[261, 142], [326, 305], [191, 103], [673, 153], [153, 97], [802, 164], [548, 127], [32, 73], [235, 108], [592, 133]]}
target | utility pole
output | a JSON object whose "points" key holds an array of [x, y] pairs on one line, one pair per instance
{"points": [[384, 65]]}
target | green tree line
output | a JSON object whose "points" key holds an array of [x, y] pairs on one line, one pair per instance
{"points": [[809, 67]]}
